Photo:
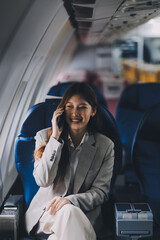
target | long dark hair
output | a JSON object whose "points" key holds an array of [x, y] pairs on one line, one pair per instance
{"points": [[86, 92]]}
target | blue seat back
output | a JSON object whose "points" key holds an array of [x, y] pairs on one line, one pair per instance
{"points": [[134, 101], [146, 158], [109, 129], [59, 90], [38, 117]]}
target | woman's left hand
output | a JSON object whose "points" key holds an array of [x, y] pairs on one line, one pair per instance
{"points": [[56, 204]]}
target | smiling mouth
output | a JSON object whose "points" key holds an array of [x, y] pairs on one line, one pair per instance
{"points": [[76, 120]]}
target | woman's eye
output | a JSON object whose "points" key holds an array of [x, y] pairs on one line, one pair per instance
{"points": [[69, 107], [83, 107]]}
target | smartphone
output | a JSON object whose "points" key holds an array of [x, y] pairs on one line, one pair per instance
{"points": [[61, 120]]}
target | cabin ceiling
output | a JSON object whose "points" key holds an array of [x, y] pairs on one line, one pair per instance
{"points": [[101, 21]]}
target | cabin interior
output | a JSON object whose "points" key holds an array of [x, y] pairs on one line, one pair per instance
{"points": [[113, 45]]}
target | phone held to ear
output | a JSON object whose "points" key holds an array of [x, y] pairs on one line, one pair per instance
{"points": [[61, 120]]}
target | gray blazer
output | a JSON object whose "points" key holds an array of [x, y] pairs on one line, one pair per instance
{"points": [[91, 181]]}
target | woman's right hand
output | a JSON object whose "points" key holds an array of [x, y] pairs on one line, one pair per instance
{"points": [[56, 131]]}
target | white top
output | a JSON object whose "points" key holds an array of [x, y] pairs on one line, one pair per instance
{"points": [[74, 156]]}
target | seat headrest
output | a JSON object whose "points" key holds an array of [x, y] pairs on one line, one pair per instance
{"points": [[59, 90], [149, 127], [39, 117], [140, 96]]}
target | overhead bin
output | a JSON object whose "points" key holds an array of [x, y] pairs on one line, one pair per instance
{"points": [[108, 19]]}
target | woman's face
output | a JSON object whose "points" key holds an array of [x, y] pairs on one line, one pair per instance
{"points": [[78, 112]]}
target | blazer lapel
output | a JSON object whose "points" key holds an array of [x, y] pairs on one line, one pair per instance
{"points": [[87, 155]]}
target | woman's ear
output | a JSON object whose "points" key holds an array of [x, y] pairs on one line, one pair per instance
{"points": [[93, 112]]}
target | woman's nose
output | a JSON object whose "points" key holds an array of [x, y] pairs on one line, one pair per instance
{"points": [[75, 112]]}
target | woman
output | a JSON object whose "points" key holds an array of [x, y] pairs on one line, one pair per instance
{"points": [[73, 167]]}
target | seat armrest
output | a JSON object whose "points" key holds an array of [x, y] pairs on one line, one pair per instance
{"points": [[10, 217], [14, 201], [133, 220]]}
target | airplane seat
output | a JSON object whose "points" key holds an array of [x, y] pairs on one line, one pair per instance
{"points": [[58, 90], [39, 117], [146, 160], [134, 101], [109, 128]]}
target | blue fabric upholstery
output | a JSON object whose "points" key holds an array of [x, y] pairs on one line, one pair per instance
{"points": [[109, 128], [58, 90], [146, 158], [134, 101], [38, 117]]}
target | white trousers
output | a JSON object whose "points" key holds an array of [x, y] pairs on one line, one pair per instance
{"points": [[69, 223]]}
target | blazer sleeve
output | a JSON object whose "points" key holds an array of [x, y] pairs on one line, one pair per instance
{"points": [[45, 169], [98, 192]]}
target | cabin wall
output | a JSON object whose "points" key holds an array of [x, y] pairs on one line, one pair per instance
{"points": [[11, 14], [27, 64]]}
